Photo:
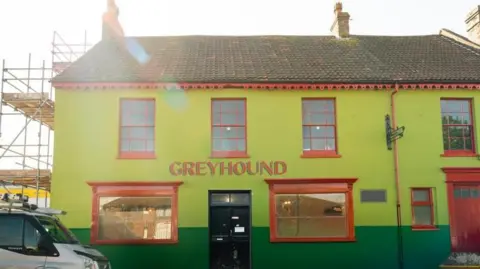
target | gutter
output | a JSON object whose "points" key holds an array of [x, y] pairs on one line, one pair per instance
{"points": [[397, 181]]}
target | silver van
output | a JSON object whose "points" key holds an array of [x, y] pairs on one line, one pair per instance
{"points": [[34, 238]]}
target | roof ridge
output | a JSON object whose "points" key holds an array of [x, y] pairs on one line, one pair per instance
{"points": [[460, 41]]}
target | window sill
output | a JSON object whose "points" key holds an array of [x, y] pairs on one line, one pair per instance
{"points": [[136, 156], [134, 242], [310, 240], [425, 228], [320, 154], [223, 155], [459, 154]]}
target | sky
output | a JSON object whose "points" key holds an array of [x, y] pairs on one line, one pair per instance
{"points": [[27, 27]]}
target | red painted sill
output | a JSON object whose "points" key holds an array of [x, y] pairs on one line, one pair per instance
{"points": [[133, 242], [229, 154], [424, 228], [459, 153], [320, 154], [136, 155], [313, 239]]}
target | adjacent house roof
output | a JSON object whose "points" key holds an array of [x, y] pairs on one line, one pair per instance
{"points": [[279, 59]]}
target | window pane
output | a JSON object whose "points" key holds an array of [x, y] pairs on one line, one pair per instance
{"points": [[225, 145], [318, 105], [150, 146], [422, 215], [311, 215], [319, 144], [318, 118], [319, 131], [228, 118], [457, 137], [241, 145], [11, 230], [135, 218], [306, 144], [452, 106], [125, 145], [228, 112], [32, 236], [138, 132], [220, 198], [138, 145], [319, 112], [420, 195], [228, 132], [137, 112]]}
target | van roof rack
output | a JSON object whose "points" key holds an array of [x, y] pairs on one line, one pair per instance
{"points": [[24, 206]]}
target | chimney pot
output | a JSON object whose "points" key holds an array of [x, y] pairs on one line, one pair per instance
{"points": [[473, 25], [111, 27], [338, 8]]}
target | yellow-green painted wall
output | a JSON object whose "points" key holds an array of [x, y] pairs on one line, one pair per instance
{"points": [[86, 147]]}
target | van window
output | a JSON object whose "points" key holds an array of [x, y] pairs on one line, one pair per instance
{"points": [[32, 236], [11, 230]]}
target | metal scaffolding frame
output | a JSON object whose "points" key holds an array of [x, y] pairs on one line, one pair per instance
{"points": [[28, 98]]}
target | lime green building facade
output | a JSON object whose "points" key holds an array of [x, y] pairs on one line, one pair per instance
{"points": [[86, 149]]}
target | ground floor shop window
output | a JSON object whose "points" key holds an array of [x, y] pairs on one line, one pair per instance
{"points": [[311, 210], [134, 212]]}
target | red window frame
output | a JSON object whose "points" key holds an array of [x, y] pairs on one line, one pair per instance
{"points": [[233, 153], [460, 152], [305, 110], [312, 186], [133, 189], [136, 154], [429, 203]]}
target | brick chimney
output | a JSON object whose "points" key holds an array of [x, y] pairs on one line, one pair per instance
{"points": [[473, 25], [340, 27], [111, 27]]}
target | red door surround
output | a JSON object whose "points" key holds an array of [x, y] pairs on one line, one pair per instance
{"points": [[463, 191]]}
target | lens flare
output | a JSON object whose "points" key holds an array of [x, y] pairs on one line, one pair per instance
{"points": [[175, 96], [137, 50]]}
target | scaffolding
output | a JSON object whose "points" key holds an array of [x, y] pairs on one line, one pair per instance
{"points": [[28, 104]]}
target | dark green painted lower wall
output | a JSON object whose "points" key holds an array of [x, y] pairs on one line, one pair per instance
{"points": [[376, 248]]}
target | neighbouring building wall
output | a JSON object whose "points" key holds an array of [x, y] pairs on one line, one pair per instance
{"points": [[86, 147]]}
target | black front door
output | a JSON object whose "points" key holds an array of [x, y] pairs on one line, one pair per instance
{"points": [[229, 228]]}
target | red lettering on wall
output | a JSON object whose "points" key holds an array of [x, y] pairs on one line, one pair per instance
{"points": [[274, 168]]}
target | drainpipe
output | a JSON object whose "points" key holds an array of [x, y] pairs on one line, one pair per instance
{"points": [[397, 181]]}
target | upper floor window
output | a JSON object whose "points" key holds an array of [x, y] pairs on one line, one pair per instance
{"points": [[319, 128], [137, 128], [229, 138], [458, 129], [311, 210]]}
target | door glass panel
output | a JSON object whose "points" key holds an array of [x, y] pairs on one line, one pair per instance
{"points": [[465, 193]]}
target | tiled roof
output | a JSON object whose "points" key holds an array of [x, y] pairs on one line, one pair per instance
{"points": [[280, 59]]}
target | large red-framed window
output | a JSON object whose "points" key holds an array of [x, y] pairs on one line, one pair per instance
{"points": [[319, 127], [423, 210], [137, 128], [311, 210], [458, 128], [229, 128], [134, 212]]}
